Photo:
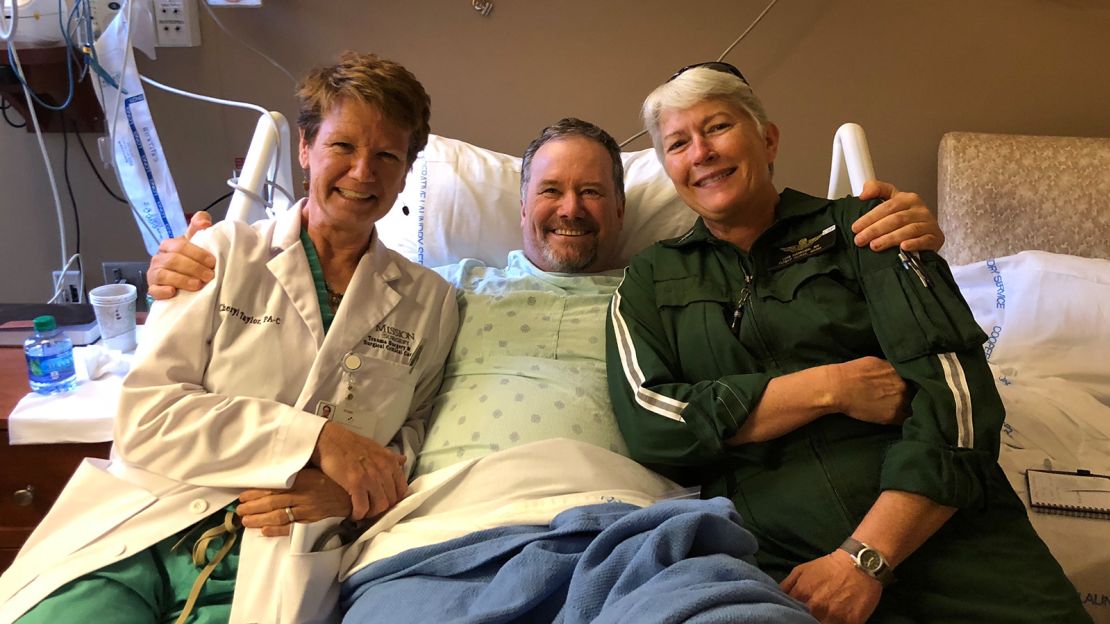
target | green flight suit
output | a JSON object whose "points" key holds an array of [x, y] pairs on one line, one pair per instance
{"points": [[687, 364]]}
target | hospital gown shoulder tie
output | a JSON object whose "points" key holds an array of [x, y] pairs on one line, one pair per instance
{"points": [[230, 527]]}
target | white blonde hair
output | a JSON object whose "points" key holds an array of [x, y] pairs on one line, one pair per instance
{"points": [[694, 86]]}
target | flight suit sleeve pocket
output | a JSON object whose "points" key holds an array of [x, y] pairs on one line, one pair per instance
{"points": [[912, 318]]}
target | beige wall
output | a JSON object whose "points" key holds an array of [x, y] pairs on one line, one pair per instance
{"points": [[907, 70]]}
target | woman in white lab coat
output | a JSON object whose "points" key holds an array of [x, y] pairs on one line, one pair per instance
{"points": [[291, 389]]}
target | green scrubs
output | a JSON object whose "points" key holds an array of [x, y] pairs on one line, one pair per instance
{"points": [[154, 584], [149, 586], [697, 330]]}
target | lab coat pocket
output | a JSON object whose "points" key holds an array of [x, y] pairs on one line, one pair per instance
{"points": [[310, 579], [374, 400]]}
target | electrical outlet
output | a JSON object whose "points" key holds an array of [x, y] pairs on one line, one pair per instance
{"points": [[70, 287], [176, 23], [133, 273]]}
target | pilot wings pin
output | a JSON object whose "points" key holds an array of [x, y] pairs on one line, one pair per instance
{"points": [[806, 247]]}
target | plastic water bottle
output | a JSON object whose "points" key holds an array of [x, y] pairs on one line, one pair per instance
{"points": [[49, 358]]}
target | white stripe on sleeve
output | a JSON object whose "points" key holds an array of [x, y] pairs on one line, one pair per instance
{"points": [[961, 396], [648, 399]]}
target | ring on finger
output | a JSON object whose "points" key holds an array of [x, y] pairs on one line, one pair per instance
{"points": [[289, 514]]}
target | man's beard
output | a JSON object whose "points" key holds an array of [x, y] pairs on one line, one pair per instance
{"points": [[569, 261]]}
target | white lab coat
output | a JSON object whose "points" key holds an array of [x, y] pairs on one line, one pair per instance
{"points": [[221, 398]]}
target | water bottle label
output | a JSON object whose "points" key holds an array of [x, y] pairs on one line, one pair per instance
{"points": [[45, 369]]}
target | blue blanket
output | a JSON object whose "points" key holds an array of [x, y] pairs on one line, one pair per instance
{"points": [[675, 561]]}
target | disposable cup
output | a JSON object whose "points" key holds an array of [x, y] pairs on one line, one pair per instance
{"points": [[114, 305]]}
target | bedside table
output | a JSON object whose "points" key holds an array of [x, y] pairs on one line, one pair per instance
{"points": [[31, 475]]}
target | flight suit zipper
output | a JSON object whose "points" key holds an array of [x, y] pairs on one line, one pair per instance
{"points": [[745, 296], [743, 303]]}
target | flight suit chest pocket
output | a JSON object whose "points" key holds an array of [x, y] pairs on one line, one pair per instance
{"points": [[694, 313], [820, 279], [684, 292]]}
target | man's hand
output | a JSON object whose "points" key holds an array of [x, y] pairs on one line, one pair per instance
{"points": [[869, 389], [313, 497], [835, 591], [370, 473], [181, 264], [903, 220]]}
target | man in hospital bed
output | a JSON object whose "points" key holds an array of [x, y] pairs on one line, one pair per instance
{"points": [[526, 378]]}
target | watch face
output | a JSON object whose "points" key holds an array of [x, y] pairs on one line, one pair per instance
{"points": [[870, 560]]}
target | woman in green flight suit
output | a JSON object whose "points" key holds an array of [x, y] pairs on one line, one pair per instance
{"points": [[838, 396]]}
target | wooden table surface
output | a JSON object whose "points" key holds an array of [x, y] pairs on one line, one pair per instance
{"points": [[45, 467], [13, 382]]}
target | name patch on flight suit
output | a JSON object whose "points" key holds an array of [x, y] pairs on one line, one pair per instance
{"points": [[807, 247], [393, 343]]}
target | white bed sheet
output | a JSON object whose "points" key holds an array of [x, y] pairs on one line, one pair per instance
{"points": [[1048, 319]]}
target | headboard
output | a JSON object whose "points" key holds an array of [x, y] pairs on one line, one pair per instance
{"points": [[999, 194]]}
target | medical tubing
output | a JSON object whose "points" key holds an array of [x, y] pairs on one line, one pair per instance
{"points": [[4, 106], [92, 166], [217, 200], [17, 68], [60, 282], [234, 184], [234, 104], [126, 11], [249, 193], [247, 45], [7, 34], [45, 157], [720, 58], [74, 23], [284, 192], [73, 204]]}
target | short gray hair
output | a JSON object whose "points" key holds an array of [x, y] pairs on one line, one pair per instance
{"points": [[697, 85], [570, 127]]}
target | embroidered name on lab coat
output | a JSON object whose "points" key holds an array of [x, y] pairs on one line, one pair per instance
{"points": [[806, 247], [249, 319], [401, 342]]}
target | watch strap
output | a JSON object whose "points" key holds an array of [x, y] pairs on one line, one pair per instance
{"points": [[883, 573]]}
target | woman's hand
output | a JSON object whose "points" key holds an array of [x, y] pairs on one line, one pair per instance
{"points": [[833, 589], [313, 497], [370, 473], [869, 389], [181, 264], [902, 221]]}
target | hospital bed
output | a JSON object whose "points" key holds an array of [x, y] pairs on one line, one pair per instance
{"points": [[1000, 197], [1027, 223], [1047, 313]]}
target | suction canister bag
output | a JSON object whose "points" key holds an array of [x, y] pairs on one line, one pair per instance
{"points": [[136, 150]]}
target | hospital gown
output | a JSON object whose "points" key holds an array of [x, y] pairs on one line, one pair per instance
{"points": [[528, 363]]}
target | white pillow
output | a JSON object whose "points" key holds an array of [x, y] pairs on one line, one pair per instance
{"points": [[1047, 315], [464, 202]]}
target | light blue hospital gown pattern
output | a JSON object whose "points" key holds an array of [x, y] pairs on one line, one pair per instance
{"points": [[528, 363]]}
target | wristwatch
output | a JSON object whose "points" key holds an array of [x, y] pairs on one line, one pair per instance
{"points": [[871, 561]]}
